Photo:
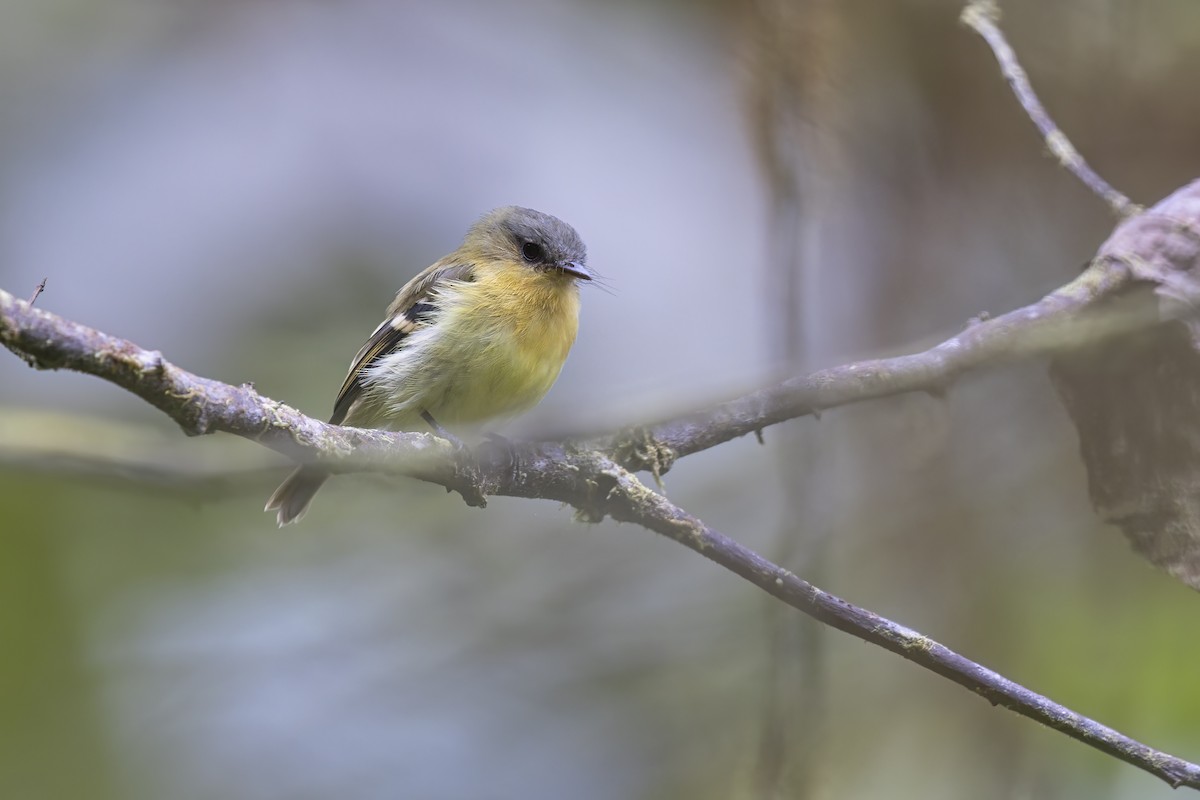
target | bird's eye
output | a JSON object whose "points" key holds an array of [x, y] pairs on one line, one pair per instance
{"points": [[532, 252]]}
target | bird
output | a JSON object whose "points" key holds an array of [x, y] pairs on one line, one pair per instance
{"points": [[480, 335]]}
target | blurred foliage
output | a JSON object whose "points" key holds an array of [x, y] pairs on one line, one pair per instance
{"points": [[243, 185]]}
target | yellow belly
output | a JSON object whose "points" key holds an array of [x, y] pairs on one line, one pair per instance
{"points": [[499, 382]]}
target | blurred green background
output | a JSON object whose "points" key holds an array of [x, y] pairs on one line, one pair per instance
{"points": [[769, 187]]}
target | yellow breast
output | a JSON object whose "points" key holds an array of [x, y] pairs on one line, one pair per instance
{"points": [[521, 324]]}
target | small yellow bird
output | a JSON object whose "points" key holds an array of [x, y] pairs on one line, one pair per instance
{"points": [[479, 335]]}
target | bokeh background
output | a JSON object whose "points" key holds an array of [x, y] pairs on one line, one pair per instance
{"points": [[768, 187]]}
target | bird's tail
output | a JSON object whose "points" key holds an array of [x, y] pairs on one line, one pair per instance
{"points": [[292, 497]]}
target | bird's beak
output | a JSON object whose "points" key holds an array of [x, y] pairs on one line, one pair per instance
{"points": [[575, 270]]}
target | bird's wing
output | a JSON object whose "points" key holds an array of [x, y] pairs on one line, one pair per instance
{"points": [[412, 310]]}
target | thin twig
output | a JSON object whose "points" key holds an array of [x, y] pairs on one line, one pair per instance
{"points": [[982, 16], [37, 290]]}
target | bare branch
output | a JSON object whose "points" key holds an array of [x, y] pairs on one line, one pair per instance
{"points": [[629, 500], [982, 16], [595, 481], [1144, 251], [1147, 257], [1059, 321], [201, 405], [1155, 250]]}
